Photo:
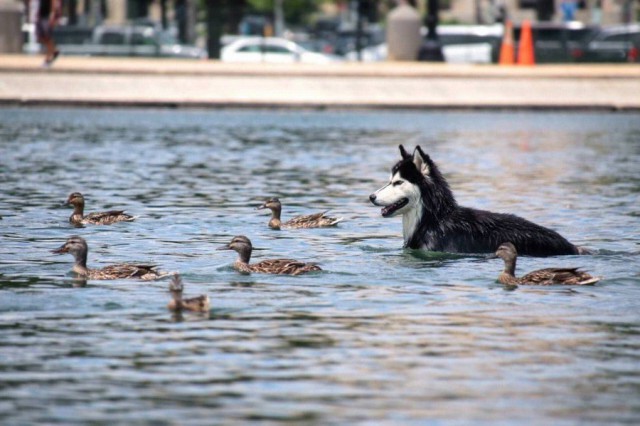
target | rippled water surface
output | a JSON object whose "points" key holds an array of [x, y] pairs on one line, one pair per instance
{"points": [[382, 336]]}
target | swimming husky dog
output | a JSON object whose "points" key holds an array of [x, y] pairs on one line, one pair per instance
{"points": [[433, 220]]}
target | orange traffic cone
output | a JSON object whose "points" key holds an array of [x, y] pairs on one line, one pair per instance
{"points": [[525, 50], [507, 53]]}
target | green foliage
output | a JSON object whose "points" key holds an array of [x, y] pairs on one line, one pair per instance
{"points": [[296, 12]]}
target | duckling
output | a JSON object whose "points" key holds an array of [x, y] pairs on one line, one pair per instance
{"points": [[103, 218], [177, 303], [77, 246], [316, 220], [548, 276], [242, 245]]}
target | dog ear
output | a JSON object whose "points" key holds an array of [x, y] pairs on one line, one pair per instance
{"points": [[403, 152], [421, 161]]}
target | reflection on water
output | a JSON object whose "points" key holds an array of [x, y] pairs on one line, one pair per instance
{"points": [[383, 335]]}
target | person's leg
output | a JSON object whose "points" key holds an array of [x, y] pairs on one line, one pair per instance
{"points": [[45, 37], [50, 46]]}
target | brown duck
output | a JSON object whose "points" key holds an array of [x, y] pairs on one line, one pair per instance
{"points": [[548, 276], [177, 303], [77, 246], [103, 218], [242, 245], [316, 220]]}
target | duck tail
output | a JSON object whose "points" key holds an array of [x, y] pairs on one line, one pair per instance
{"points": [[158, 275], [590, 281], [206, 303], [337, 220]]}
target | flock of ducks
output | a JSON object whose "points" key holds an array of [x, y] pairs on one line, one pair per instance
{"points": [[77, 246]]}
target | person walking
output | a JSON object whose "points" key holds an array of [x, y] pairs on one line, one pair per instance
{"points": [[45, 15]]}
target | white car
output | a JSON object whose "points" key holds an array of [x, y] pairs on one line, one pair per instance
{"points": [[271, 50], [461, 44]]}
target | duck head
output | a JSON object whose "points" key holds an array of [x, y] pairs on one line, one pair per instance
{"points": [[75, 199], [272, 204], [176, 286], [507, 252], [240, 244], [77, 246]]}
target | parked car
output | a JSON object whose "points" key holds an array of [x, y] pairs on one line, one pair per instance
{"points": [[132, 41], [474, 53], [345, 38], [619, 43], [460, 44], [271, 50], [554, 42], [471, 43]]}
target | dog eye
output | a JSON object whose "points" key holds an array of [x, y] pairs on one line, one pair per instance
{"points": [[398, 182]]}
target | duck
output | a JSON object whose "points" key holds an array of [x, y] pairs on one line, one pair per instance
{"points": [[316, 220], [548, 276], [77, 246], [76, 200], [177, 303], [242, 245]]}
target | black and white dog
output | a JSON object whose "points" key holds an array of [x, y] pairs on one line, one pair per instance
{"points": [[433, 220]]}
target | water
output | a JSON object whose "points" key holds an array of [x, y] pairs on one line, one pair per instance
{"points": [[383, 336]]}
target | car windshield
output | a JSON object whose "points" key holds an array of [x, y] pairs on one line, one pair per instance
{"points": [[580, 35], [143, 38], [622, 37], [166, 37], [112, 37]]}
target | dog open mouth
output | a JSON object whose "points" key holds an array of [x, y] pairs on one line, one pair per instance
{"points": [[392, 208]]}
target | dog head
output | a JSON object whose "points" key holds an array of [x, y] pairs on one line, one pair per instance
{"points": [[415, 180]]}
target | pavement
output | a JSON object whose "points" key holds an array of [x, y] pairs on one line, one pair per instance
{"points": [[177, 83]]}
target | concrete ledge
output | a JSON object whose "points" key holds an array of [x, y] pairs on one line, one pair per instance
{"points": [[99, 65], [50, 103], [167, 83]]}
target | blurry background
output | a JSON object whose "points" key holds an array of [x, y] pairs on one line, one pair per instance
{"points": [[564, 30]]}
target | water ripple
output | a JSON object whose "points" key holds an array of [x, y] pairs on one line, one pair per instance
{"points": [[382, 336]]}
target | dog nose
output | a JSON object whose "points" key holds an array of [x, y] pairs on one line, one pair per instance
{"points": [[372, 198]]}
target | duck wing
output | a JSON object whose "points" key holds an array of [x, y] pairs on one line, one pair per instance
{"points": [[549, 276], [107, 218], [196, 304], [316, 220], [283, 266], [126, 270]]}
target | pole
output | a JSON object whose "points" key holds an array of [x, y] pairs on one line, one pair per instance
{"points": [[278, 18], [163, 14], [431, 50], [73, 12], [361, 9], [478, 12], [214, 27]]}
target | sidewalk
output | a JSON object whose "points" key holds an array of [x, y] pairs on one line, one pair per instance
{"points": [[79, 81]]}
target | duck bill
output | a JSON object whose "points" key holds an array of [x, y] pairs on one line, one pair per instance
{"points": [[262, 207], [60, 250], [224, 247]]}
